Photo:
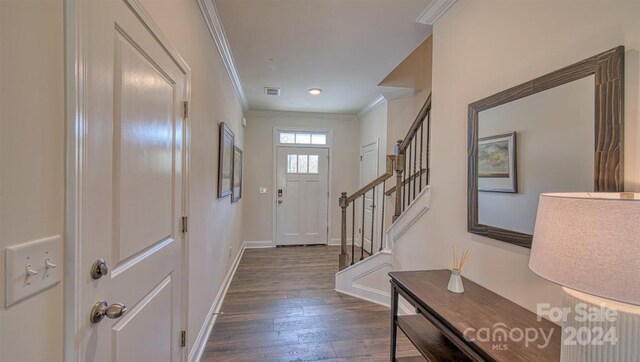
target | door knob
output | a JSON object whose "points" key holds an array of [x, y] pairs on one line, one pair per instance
{"points": [[101, 309], [99, 269], [279, 201]]}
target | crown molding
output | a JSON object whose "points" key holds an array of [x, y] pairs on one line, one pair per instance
{"points": [[434, 11], [211, 18], [388, 96], [400, 93], [375, 103]]}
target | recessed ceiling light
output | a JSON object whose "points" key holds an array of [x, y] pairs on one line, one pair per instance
{"points": [[315, 91]]}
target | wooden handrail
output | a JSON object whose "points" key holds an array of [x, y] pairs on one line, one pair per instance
{"points": [[393, 189], [416, 124], [400, 165], [368, 187]]}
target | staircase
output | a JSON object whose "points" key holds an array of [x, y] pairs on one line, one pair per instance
{"points": [[409, 166]]}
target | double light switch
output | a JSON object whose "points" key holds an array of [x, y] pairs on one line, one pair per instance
{"points": [[32, 267]]}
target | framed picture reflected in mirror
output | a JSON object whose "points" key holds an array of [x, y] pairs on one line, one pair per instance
{"points": [[237, 175], [225, 161], [497, 170]]}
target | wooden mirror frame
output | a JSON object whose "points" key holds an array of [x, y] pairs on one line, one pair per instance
{"points": [[608, 68]]}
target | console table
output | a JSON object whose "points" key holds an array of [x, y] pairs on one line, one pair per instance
{"points": [[477, 325]]}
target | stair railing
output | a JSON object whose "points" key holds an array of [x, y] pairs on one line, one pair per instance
{"points": [[345, 201], [412, 170], [410, 165]]}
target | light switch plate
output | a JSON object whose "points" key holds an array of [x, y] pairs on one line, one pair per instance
{"points": [[263, 190], [33, 255]]}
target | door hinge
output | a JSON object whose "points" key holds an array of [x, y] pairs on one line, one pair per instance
{"points": [[360, 157], [184, 224], [185, 109], [183, 338]]}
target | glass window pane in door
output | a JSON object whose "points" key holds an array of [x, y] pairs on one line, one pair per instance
{"points": [[292, 163], [302, 164], [313, 163]]}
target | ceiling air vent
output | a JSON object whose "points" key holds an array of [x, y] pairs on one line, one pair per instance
{"points": [[272, 91]]}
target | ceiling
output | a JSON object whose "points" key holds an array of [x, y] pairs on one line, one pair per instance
{"points": [[345, 47]]}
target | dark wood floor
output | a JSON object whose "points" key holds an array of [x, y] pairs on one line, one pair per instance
{"points": [[281, 306]]}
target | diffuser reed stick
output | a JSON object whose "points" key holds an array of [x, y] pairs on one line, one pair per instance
{"points": [[459, 262]]}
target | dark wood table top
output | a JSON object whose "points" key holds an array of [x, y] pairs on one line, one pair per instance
{"points": [[497, 325]]}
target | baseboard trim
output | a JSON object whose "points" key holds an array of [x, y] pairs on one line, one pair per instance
{"points": [[258, 244], [201, 340], [403, 307], [338, 242], [372, 300]]}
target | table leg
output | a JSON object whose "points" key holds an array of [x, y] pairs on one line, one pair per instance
{"points": [[394, 319]]}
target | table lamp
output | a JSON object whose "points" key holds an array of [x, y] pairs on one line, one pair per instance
{"points": [[589, 243]]}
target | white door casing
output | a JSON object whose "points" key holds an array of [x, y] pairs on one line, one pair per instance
{"points": [[368, 172], [302, 196], [126, 196]]}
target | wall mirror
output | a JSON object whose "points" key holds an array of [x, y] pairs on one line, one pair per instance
{"points": [[561, 132]]}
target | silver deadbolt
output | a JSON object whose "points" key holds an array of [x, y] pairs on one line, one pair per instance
{"points": [[101, 309], [99, 269]]}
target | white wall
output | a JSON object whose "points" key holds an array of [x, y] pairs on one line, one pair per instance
{"points": [[31, 165], [259, 166], [373, 125], [214, 224], [527, 40], [32, 161]]}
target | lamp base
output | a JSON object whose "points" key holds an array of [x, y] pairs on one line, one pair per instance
{"points": [[596, 329]]}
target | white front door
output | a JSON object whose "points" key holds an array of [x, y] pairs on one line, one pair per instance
{"points": [[131, 198], [302, 196], [368, 173]]}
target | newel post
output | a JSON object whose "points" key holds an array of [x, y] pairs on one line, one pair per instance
{"points": [[343, 233], [399, 186]]}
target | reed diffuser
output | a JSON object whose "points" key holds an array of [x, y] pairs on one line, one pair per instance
{"points": [[459, 260]]}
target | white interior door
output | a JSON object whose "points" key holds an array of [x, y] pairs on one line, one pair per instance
{"points": [[368, 172], [302, 195], [132, 189]]}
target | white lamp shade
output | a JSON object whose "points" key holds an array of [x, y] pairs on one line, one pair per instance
{"points": [[589, 242]]}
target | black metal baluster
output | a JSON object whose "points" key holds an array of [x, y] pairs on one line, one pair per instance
{"points": [[362, 230], [373, 218], [384, 189], [408, 186], [421, 136], [428, 155], [353, 232], [415, 157], [404, 181]]}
